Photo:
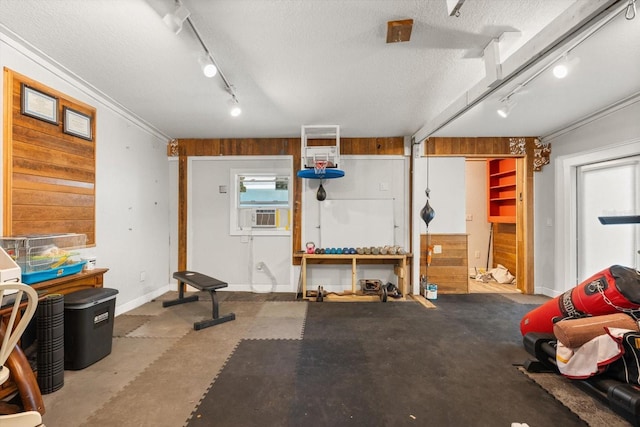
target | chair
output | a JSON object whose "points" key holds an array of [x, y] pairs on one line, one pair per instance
{"points": [[11, 298]]}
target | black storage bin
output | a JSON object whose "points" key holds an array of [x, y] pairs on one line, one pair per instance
{"points": [[88, 326]]}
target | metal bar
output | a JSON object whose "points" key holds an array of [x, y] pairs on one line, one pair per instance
{"points": [[227, 85]]}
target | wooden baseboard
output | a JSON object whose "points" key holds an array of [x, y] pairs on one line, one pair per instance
{"points": [[423, 301]]}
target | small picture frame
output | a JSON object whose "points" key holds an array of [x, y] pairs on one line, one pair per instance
{"points": [[38, 105], [77, 124]]}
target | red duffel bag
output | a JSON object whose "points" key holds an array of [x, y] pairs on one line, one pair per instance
{"points": [[611, 290]]}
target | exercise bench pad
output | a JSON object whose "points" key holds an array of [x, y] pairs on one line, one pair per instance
{"points": [[198, 280]]}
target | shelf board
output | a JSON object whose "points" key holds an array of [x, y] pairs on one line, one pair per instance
{"points": [[503, 219], [503, 173], [499, 187]]}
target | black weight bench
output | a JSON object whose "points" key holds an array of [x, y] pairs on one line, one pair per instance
{"points": [[204, 283]]}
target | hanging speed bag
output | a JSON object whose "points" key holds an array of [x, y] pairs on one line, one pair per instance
{"points": [[616, 286]]}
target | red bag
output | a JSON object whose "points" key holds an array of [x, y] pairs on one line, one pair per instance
{"points": [[612, 290]]}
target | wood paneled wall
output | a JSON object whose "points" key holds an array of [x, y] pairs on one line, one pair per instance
{"points": [[282, 146], [49, 176], [504, 246], [468, 147], [266, 147], [448, 269]]}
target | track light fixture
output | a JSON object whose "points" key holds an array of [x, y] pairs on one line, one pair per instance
{"points": [[565, 65], [207, 62], [208, 67], [175, 19], [234, 106], [507, 106], [561, 69]]}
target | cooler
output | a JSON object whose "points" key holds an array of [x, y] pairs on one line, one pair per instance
{"points": [[88, 326]]}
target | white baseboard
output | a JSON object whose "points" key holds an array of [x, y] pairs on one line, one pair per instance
{"points": [[550, 292], [121, 309], [256, 288], [266, 288]]}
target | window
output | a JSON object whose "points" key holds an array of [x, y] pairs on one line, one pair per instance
{"points": [[261, 202], [263, 190]]}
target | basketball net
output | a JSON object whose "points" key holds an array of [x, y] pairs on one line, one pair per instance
{"points": [[320, 167]]}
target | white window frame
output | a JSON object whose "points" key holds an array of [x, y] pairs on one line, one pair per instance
{"points": [[236, 211]]}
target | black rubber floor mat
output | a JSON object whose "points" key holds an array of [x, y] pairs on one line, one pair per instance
{"points": [[364, 364]]}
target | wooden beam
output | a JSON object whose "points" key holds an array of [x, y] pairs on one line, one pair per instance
{"points": [[182, 210]]}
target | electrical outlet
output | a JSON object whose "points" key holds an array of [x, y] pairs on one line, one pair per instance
{"points": [[469, 217], [477, 254], [143, 276], [437, 249]]}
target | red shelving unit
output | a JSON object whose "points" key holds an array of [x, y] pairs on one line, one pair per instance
{"points": [[501, 190]]}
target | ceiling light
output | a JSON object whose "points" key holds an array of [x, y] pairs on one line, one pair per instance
{"points": [[565, 65], [505, 109], [561, 69], [234, 107], [175, 20], [208, 67], [207, 62]]}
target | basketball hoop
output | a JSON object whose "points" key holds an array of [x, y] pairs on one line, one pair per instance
{"points": [[320, 167]]}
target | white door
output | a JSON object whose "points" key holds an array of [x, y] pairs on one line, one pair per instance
{"points": [[607, 189]]}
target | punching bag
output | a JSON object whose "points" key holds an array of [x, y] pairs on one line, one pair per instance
{"points": [[606, 292]]}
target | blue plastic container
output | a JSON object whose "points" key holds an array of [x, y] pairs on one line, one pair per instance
{"points": [[53, 273]]}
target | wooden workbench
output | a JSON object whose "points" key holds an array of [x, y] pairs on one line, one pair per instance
{"points": [[399, 262]]}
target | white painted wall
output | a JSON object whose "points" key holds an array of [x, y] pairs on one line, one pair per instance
{"points": [[366, 177], [446, 177], [476, 206], [173, 219], [614, 135], [212, 250], [132, 201], [235, 258]]}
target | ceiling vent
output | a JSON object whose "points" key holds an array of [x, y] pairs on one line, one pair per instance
{"points": [[399, 31]]}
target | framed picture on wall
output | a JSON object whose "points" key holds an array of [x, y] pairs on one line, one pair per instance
{"points": [[38, 105], [77, 124]]}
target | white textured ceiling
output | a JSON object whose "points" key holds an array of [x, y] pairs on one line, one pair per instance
{"points": [[294, 62]]}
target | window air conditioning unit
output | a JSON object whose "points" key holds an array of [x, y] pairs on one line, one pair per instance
{"points": [[263, 218]]}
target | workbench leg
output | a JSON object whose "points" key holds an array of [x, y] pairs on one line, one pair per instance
{"points": [[303, 273], [354, 275]]}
